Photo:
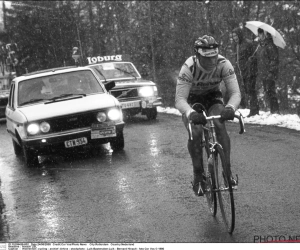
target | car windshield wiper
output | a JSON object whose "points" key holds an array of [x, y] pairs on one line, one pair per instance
{"points": [[127, 72], [63, 96], [101, 74], [33, 101]]}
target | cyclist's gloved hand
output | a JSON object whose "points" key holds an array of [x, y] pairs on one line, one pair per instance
{"points": [[227, 114], [198, 118]]}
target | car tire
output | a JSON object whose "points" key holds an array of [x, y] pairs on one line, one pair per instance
{"points": [[31, 158], [17, 148], [118, 143], [151, 113]]}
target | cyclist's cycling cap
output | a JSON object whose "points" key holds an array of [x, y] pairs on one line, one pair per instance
{"points": [[206, 46]]}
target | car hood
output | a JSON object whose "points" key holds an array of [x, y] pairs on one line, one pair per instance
{"points": [[132, 83], [40, 111]]}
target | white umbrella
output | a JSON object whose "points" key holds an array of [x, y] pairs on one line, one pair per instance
{"points": [[277, 38]]}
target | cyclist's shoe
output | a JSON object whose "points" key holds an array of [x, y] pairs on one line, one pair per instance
{"points": [[199, 186], [234, 182]]}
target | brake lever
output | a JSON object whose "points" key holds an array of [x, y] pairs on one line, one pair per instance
{"points": [[241, 121]]}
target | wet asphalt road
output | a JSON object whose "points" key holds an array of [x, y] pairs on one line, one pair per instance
{"points": [[143, 194]]}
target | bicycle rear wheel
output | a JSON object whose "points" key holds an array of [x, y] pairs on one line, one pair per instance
{"points": [[225, 192], [210, 184]]}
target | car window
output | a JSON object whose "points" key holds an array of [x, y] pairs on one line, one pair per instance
{"points": [[49, 87], [115, 70]]}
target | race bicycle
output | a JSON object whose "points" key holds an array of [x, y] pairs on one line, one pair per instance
{"points": [[216, 176]]}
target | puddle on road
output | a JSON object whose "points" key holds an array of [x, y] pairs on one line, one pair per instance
{"points": [[153, 145], [8, 212]]}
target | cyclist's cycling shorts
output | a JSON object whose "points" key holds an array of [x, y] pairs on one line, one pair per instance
{"points": [[207, 100]]}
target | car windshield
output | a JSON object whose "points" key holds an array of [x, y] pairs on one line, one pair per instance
{"points": [[77, 83], [116, 70]]}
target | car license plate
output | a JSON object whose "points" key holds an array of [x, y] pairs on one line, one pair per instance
{"points": [[103, 131], [127, 105], [76, 142]]}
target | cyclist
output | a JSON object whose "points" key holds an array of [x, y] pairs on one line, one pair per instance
{"points": [[199, 82]]}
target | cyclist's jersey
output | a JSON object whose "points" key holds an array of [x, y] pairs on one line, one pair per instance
{"points": [[196, 80]]}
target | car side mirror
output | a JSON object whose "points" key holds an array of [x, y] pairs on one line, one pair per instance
{"points": [[110, 85]]}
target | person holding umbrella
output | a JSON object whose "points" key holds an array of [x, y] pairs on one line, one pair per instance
{"points": [[268, 67], [268, 59], [247, 67]]}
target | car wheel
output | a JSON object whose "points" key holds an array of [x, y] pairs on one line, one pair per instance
{"points": [[31, 158], [151, 113], [118, 143], [17, 148]]}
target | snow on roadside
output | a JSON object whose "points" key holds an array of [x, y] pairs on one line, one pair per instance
{"points": [[291, 121]]}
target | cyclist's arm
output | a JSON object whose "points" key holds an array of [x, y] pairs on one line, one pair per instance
{"points": [[232, 86], [184, 84]]}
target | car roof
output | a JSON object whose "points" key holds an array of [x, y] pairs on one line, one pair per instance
{"points": [[46, 72]]}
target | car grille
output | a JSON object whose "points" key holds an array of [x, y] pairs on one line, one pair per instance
{"points": [[124, 93], [74, 121]]}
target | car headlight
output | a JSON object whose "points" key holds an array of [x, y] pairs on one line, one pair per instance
{"points": [[45, 127], [114, 114], [146, 91], [101, 117], [33, 128]]}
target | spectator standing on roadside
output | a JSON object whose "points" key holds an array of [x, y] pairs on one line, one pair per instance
{"points": [[247, 67], [268, 67]]}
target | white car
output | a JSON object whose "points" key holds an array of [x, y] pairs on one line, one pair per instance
{"points": [[62, 108]]}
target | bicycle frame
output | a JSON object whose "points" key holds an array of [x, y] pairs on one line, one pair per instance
{"points": [[215, 184], [210, 128]]}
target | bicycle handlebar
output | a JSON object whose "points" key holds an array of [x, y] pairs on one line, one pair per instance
{"points": [[238, 116]]}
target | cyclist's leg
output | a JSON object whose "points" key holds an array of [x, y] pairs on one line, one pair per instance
{"points": [[222, 135], [195, 150]]}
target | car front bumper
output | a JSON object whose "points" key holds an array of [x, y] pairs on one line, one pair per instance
{"points": [[56, 142]]}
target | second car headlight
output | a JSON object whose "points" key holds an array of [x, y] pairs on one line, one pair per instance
{"points": [[45, 127], [101, 117], [146, 91], [114, 114]]}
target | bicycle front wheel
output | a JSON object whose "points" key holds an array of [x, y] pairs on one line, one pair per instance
{"points": [[210, 190], [224, 187], [210, 184]]}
